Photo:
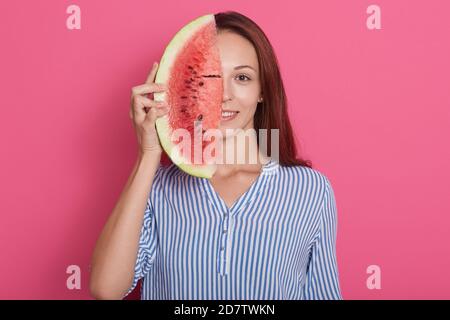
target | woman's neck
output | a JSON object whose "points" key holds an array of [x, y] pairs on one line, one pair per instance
{"points": [[240, 152]]}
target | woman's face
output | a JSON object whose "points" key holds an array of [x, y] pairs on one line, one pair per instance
{"points": [[241, 83]]}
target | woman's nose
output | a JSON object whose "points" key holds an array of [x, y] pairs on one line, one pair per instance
{"points": [[226, 91]]}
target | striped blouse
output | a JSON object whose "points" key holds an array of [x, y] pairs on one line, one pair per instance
{"points": [[276, 242]]}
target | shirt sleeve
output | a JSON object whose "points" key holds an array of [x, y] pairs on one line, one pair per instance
{"points": [[147, 242], [322, 276]]}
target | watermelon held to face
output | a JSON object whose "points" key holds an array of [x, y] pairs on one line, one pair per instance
{"points": [[191, 69]]}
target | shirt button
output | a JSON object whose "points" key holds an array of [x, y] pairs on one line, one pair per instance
{"points": [[224, 230]]}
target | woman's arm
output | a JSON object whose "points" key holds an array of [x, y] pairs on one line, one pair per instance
{"points": [[114, 257], [322, 276]]}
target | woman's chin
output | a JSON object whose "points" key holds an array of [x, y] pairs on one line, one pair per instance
{"points": [[229, 132]]}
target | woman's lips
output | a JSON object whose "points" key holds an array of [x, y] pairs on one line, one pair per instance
{"points": [[229, 115]]}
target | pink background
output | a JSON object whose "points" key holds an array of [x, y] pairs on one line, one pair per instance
{"points": [[371, 109]]}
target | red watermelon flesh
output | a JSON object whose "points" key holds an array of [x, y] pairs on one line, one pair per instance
{"points": [[191, 69]]}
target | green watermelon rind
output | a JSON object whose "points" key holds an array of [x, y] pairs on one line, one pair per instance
{"points": [[162, 76]]}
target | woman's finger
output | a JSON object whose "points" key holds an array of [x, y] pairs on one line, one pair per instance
{"points": [[141, 101], [152, 74], [142, 105], [155, 113], [147, 88]]}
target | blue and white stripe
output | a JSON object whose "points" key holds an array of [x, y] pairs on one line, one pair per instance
{"points": [[276, 242]]}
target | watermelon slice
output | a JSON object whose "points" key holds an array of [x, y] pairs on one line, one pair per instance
{"points": [[191, 69]]}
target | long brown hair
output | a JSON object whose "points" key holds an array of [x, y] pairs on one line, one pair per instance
{"points": [[271, 113]]}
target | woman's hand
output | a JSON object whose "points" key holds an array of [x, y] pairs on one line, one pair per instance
{"points": [[144, 111]]}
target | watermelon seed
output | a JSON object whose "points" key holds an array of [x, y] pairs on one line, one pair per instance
{"points": [[200, 83], [194, 97], [190, 67], [211, 76], [183, 97], [200, 117]]}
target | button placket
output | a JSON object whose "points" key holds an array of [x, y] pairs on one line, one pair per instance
{"points": [[227, 224], [228, 244], [223, 243]]}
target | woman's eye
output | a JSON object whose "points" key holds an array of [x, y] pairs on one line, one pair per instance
{"points": [[243, 77]]}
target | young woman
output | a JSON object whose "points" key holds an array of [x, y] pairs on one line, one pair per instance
{"points": [[264, 230]]}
